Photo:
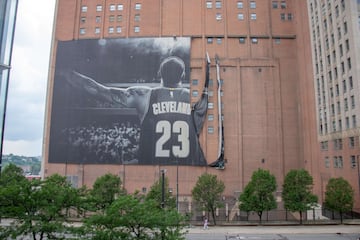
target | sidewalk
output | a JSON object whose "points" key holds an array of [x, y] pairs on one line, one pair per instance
{"points": [[295, 229]]}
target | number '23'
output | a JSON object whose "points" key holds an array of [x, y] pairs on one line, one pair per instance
{"points": [[181, 129]]}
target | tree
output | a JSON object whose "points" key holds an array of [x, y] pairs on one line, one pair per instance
{"points": [[105, 190], [207, 193], [39, 208], [339, 196], [135, 217], [12, 185], [297, 195], [155, 193], [258, 195]]}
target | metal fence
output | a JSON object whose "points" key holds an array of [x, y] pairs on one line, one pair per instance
{"points": [[235, 216]]}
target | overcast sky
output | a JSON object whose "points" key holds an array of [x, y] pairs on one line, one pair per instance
{"points": [[28, 78]]}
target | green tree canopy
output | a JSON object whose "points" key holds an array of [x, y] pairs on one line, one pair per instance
{"points": [[135, 217], [105, 190], [155, 193], [39, 208], [258, 195], [339, 196], [297, 192], [207, 193]]}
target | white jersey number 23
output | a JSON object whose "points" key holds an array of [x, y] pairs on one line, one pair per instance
{"points": [[181, 128]]}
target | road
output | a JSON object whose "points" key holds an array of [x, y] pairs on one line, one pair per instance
{"points": [[328, 232]]}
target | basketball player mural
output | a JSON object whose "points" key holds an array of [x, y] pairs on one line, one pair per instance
{"points": [[170, 126]]}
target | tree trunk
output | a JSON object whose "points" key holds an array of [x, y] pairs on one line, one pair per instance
{"points": [[341, 217], [260, 216], [213, 215], [300, 217]]}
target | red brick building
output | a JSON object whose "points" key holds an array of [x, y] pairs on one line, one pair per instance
{"points": [[268, 98]]}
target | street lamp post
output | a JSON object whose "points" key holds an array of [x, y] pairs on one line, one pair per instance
{"points": [[162, 188], [177, 186]]}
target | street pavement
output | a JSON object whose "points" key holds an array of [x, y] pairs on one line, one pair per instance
{"points": [[296, 232]]}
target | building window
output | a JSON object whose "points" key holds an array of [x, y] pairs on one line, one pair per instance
{"points": [[277, 40], [283, 4], [349, 63], [120, 7], [111, 18], [275, 4], [345, 28], [111, 29], [112, 7], [83, 20], [282, 16], [210, 117], [290, 16], [210, 129], [352, 102], [209, 40], [240, 16], [347, 45], [82, 31], [241, 40], [210, 105], [240, 5], [351, 84], [119, 18], [340, 125], [136, 29], [341, 50], [219, 40], [253, 16], [118, 29], [353, 121], [335, 162], [195, 93], [351, 142], [327, 162], [210, 93], [195, 82], [252, 4], [97, 19], [254, 40], [137, 17], [337, 11], [137, 6], [84, 9], [346, 105], [97, 30], [353, 161], [347, 122], [218, 4], [340, 162], [98, 8], [218, 16], [208, 5], [324, 145]]}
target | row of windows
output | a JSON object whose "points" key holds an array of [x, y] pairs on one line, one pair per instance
{"points": [[339, 163], [112, 7], [338, 144], [240, 4], [117, 29], [338, 125]]}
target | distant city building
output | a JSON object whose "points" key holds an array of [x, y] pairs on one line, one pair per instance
{"points": [[269, 105], [335, 38], [8, 9]]}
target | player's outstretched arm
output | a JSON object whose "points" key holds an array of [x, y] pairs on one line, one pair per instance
{"points": [[112, 95]]}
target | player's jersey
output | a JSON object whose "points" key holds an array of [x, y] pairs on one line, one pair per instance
{"points": [[168, 135]]}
